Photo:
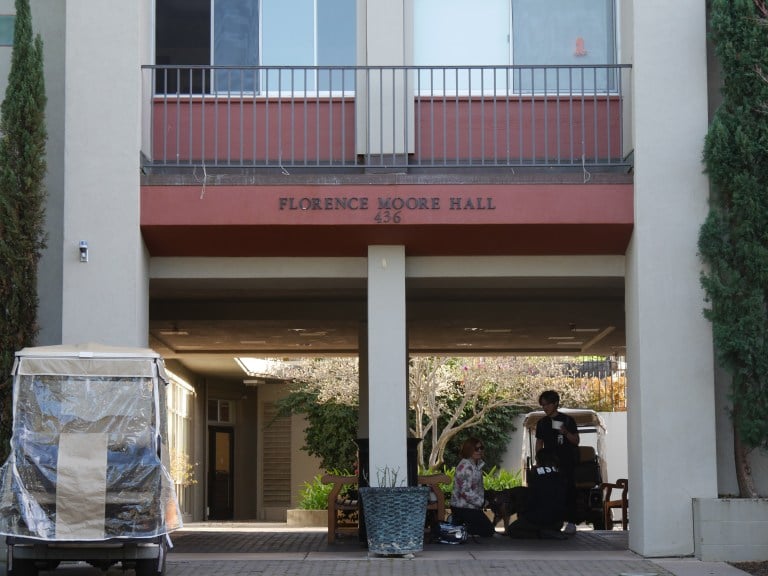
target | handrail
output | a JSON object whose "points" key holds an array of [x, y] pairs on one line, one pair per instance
{"points": [[358, 117]]}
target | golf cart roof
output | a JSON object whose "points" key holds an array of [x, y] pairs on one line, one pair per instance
{"points": [[90, 360], [583, 417]]}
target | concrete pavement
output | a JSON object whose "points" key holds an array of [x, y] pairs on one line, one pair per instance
{"points": [[276, 550]]}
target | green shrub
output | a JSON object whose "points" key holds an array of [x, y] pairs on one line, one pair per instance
{"points": [[314, 494], [501, 479], [493, 479]]}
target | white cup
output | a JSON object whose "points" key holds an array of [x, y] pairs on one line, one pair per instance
{"points": [[557, 424]]}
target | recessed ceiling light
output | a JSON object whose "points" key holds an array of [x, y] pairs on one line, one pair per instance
{"points": [[570, 343], [497, 330], [253, 341], [560, 337], [464, 344], [174, 332], [313, 334]]}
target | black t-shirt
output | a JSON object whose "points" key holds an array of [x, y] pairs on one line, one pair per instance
{"points": [[567, 453]]}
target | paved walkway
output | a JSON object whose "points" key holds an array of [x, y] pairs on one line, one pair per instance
{"points": [[275, 550]]}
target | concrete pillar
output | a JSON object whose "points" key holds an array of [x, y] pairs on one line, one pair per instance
{"points": [[105, 299], [671, 409], [363, 429], [387, 362], [384, 123]]}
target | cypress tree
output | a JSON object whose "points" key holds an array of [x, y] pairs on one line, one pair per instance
{"points": [[733, 240], [22, 202]]}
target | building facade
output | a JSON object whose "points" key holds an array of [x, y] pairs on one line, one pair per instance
{"points": [[383, 178]]}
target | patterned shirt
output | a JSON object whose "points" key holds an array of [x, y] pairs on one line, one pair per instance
{"points": [[468, 491]]}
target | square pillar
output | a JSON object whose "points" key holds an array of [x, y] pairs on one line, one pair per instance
{"points": [[387, 362]]}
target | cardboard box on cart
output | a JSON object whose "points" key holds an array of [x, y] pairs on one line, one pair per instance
{"points": [[87, 476]]}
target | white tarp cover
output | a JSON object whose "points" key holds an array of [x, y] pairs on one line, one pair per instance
{"points": [[89, 425], [585, 419]]}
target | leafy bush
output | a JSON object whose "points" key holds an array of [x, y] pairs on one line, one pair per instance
{"points": [[314, 494], [500, 479], [493, 479], [332, 427]]}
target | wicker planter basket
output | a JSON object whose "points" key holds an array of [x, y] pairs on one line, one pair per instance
{"points": [[394, 518]]}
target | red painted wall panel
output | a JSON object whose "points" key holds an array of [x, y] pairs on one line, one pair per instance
{"points": [[524, 130], [427, 219]]}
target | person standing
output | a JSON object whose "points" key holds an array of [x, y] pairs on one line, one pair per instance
{"points": [[468, 496], [557, 432], [542, 510]]}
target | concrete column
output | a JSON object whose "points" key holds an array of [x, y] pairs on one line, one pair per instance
{"points": [[671, 409], [105, 299], [384, 123], [363, 429], [387, 362]]}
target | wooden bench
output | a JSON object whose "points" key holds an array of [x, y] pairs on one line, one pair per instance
{"points": [[343, 511], [436, 502], [344, 507]]}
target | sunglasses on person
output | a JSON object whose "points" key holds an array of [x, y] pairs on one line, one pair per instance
{"points": [[479, 448]]}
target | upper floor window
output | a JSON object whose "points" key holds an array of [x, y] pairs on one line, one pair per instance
{"points": [[520, 32], [7, 23], [247, 33]]}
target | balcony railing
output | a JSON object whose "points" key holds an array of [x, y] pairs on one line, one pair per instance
{"points": [[387, 116]]}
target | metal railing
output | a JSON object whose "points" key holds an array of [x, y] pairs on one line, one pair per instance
{"points": [[391, 116]]}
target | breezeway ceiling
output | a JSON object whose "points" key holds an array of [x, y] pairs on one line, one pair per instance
{"points": [[205, 322]]}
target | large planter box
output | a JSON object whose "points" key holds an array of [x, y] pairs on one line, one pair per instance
{"points": [[395, 518], [730, 529], [307, 518]]}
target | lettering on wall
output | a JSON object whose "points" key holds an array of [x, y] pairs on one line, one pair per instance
{"points": [[385, 209]]}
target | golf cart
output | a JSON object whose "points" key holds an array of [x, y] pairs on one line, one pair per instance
{"points": [[591, 468], [87, 476]]}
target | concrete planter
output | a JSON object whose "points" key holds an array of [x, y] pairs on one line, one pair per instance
{"points": [[730, 529], [307, 518]]}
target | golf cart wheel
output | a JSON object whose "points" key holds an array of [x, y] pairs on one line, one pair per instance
{"points": [[23, 567], [153, 566]]}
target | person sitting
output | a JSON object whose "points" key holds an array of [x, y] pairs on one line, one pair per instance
{"points": [[544, 510], [468, 496]]}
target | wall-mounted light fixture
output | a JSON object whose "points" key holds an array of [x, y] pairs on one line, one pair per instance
{"points": [[83, 251]]}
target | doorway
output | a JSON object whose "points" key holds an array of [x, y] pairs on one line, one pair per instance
{"points": [[221, 478]]}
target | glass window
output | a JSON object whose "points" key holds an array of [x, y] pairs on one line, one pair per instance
{"points": [[182, 36], [220, 411], [557, 32], [235, 43], [461, 32], [6, 30], [336, 43], [521, 32], [458, 33], [249, 33]]}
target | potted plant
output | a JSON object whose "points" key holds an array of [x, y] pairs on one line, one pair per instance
{"points": [[313, 504], [394, 515]]}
